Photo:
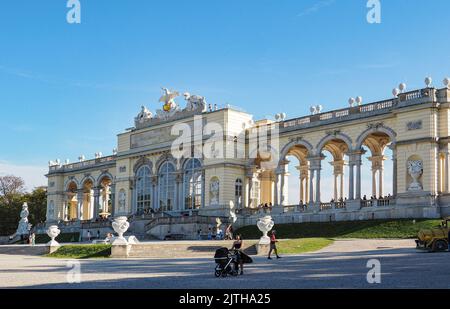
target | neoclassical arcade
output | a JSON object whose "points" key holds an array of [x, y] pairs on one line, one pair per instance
{"points": [[144, 178]]}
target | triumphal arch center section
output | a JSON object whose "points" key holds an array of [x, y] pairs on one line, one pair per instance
{"points": [[180, 167]]}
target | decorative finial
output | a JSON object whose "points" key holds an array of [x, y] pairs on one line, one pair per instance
{"points": [[351, 102], [446, 82], [428, 81], [359, 100], [396, 92], [402, 87]]}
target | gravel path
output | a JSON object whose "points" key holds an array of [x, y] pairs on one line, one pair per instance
{"points": [[341, 265]]}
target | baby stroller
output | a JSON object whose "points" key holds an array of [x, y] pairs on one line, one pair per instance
{"points": [[226, 263]]}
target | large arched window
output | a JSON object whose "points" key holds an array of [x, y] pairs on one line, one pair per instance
{"points": [[143, 189], [166, 184], [238, 193], [193, 184]]}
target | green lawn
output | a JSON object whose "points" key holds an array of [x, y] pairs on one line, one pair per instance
{"points": [[404, 228], [302, 245], [82, 251]]}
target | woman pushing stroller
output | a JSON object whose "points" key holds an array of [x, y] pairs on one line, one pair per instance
{"points": [[237, 245]]}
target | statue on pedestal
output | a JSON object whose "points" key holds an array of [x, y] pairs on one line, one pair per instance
{"points": [[23, 227]]}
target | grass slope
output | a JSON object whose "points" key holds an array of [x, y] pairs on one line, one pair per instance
{"points": [[82, 251], [296, 246], [404, 228]]}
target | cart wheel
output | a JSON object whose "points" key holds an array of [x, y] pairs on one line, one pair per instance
{"points": [[440, 245], [217, 273], [224, 274]]}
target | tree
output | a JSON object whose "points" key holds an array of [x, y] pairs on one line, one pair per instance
{"points": [[37, 205], [11, 187]]}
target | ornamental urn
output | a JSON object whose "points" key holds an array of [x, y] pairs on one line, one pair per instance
{"points": [[120, 226], [415, 170], [53, 232], [265, 224]]}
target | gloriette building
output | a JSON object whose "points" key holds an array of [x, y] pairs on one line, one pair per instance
{"points": [[173, 169]]}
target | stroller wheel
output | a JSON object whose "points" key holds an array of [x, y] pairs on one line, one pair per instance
{"points": [[217, 273], [224, 274]]}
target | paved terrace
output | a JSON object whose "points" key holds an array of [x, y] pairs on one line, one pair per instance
{"points": [[341, 265]]}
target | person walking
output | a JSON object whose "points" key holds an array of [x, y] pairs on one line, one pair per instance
{"points": [[33, 239], [89, 235], [273, 245]]}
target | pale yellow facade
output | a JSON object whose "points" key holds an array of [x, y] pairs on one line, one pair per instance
{"points": [[145, 176]]}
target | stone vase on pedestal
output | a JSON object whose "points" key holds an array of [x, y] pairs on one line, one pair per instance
{"points": [[265, 224], [415, 170], [120, 246], [53, 232], [120, 226]]}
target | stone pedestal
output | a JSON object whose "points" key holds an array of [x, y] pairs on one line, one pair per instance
{"points": [[53, 246], [120, 251], [262, 249], [353, 205], [314, 207]]}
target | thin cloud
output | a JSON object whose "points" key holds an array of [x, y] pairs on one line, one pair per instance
{"points": [[34, 176], [315, 8]]}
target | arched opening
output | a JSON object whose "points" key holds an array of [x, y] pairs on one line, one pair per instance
{"points": [[333, 168], [377, 169], [143, 190], [166, 186], [71, 205], [88, 200], [296, 176], [193, 184]]}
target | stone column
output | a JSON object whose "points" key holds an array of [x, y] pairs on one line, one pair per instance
{"points": [[380, 182], [351, 196], [203, 189], [317, 199], [178, 191], [394, 168], [306, 188], [374, 183], [113, 200], [358, 178], [155, 198], [311, 186], [446, 172], [275, 189], [80, 198], [250, 189], [341, 187], [282, 182], [302, 198], [96, 203], [335, 195]]}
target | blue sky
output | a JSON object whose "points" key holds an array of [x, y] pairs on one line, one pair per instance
{"points": [[67, 89]]}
